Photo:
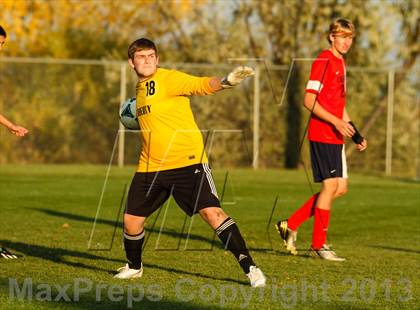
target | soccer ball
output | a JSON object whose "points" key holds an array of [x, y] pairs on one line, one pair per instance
{"points": [[128, 114]]}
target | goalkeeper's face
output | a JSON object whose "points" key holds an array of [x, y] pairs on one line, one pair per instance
{"points": [[144, 63]]}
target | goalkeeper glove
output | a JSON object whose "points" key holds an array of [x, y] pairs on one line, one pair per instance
{"points": [[236, 76], [357, 137]]}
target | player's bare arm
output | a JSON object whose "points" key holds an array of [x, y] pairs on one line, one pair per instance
{"points": [[346, 116], [15, 129], [311, 103]]}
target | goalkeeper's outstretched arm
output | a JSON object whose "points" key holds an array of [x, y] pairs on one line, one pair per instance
{"points": [[235, 77]]}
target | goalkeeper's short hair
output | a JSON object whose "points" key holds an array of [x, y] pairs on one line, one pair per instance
{"points": [[140, 45]]}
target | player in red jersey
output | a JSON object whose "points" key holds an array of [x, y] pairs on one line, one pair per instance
{"points": [[325, 98]]}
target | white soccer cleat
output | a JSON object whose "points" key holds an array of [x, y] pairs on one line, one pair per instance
{"points": [[4, 253], [326, 253], [128, 273], [256, 277], [289, 236]]}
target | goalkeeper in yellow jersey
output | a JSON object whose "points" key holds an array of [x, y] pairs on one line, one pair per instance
{"points": [[172, 160]]}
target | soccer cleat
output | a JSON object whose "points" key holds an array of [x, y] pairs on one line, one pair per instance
{"points": [[4, 253], [288, 236], [325, 253], [128, 273], [256, 277]]}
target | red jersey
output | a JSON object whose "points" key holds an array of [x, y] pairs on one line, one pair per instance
{"points": [[328, 82]]}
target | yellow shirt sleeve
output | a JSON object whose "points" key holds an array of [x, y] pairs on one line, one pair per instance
{"points": [[182, 84]]}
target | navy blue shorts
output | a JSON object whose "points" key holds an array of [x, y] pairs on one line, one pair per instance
{"points": [[192, 188], [328, 161]]}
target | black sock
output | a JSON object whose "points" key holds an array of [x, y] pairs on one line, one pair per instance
{"points": [[232, 239], [133, 246]]}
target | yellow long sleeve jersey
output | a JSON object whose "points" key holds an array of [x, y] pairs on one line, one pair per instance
{"points": [[170, 136]]}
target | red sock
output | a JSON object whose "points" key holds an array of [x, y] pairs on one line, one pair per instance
{"points": [[303, 213], [321, 221]]}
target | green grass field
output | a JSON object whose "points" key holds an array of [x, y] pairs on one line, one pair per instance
{"points": [[47, 215]]}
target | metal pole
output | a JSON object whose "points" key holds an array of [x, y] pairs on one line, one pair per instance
{"points": [[256, 127], [417, 177], [389, 122], [123, 97]]}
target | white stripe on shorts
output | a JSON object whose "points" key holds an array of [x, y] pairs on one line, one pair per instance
{"points": [[210, 180], [344, 162]]}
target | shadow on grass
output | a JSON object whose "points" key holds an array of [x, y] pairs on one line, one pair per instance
{"points": [[214, 243], [112, 223], [57, 255], [196, 274], [407, 180], [170, 232], [75, 217], [395, 249]]}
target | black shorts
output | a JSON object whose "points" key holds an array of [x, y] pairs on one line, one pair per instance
{"points": [[192, 188], [328, 161]]}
